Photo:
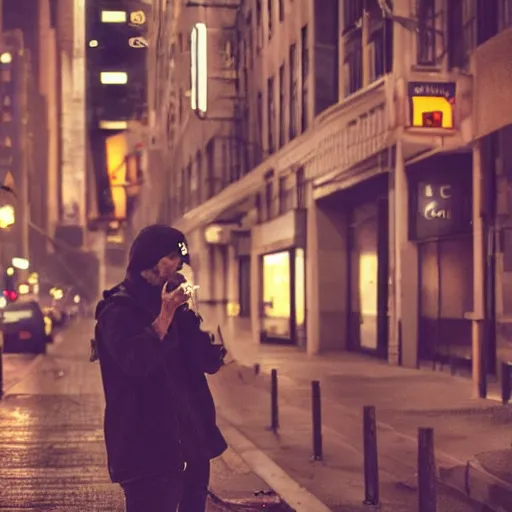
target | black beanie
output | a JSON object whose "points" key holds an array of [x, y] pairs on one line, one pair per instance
{"points": [[153, 243]]}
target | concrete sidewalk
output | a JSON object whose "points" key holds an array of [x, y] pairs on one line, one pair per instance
{"points": [[472, 436]]}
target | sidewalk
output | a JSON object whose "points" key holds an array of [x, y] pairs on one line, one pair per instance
{"points": [[472, 436]]}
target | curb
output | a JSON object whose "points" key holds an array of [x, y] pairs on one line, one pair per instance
{"points": [[479, 485], [295, 496]]}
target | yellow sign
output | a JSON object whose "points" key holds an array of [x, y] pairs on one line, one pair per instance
{"points": [[116, 149], [137, 18], [432, 104]]}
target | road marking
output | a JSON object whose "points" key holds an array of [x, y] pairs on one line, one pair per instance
{"points": [[296, 496]]}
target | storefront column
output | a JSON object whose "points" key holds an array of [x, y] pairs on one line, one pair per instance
{"points": [[403, 339], [312, 285], [326, 278], [478, 274], [256, 278], [232, 277]]}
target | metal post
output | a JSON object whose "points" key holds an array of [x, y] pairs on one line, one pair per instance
{"points": [[1, 364], [506, 388], [427, 501], [316, 409], [274, 411], [371, 460]]}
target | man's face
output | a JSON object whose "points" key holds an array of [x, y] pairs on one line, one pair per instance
{"points": [[168, 267]]}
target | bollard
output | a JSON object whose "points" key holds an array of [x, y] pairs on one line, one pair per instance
{"points": [[427, 501], [257, 369], [316, 408], [274, 411], [506, 375], [371, 458], [1, 365]]}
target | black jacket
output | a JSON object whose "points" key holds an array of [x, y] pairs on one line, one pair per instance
{"points": [[159, 409]]}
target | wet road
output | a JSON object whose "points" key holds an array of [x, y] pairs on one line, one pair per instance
{"points": [[51, 442]]}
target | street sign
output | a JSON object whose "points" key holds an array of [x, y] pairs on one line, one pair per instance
{"points": [[138, 42]]}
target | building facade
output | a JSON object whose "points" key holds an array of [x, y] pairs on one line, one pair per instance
{"points": [[347, 188]]}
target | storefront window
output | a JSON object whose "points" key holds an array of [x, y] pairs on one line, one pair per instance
{"points": [[364, 275], [276, 295]]}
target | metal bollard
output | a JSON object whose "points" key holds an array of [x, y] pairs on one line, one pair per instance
{"points": [[1, 365], [316, 409], [506, 385], [371, 458], [427, 500], [256, 368], [274, 409]]}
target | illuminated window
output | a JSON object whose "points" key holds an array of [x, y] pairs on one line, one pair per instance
{"points": [[113, 16], [113, 77], [199, 69]]}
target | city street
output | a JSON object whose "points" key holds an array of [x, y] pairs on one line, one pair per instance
{"points": [[51, 439]]}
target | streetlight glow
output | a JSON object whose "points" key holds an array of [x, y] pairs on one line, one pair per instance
{"points": [[7, 217], [6, 58]]}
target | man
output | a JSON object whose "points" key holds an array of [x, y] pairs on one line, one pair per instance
{"points": [[160, 426]]}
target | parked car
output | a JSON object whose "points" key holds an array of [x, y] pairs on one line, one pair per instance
{"points": [[25, 327]]}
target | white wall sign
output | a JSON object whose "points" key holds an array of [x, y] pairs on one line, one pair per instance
{"points": [[138, 42]]}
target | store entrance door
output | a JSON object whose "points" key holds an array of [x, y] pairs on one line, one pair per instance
{"points": [[277, 319]]}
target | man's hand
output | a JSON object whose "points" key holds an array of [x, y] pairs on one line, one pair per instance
{"points": [[171, 301]]}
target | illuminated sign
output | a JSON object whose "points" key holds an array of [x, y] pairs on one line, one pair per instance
{"points": [[437, 207], [199, 69], [432, 104], [113, 16], [138, 42], [137, 18], [116, 150]]}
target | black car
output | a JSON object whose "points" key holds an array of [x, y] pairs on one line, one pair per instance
{"points": [[25, 327]]}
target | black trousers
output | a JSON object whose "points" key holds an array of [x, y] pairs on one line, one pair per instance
{"points": [[184, 491]]}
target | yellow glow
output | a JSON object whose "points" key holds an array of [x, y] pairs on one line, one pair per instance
{"points": [[199, 68], [21, 263], [33, 278], [7, 217], [6, 58], [113, 16], [137, 17], [116, 149], [233, 308], [3, 302], [423, 104], [23, 289], [113, 77], [114, 125], [10, 271], [276, 285], [93, 43], [300, 290], [48, 326], [368, 283]]}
